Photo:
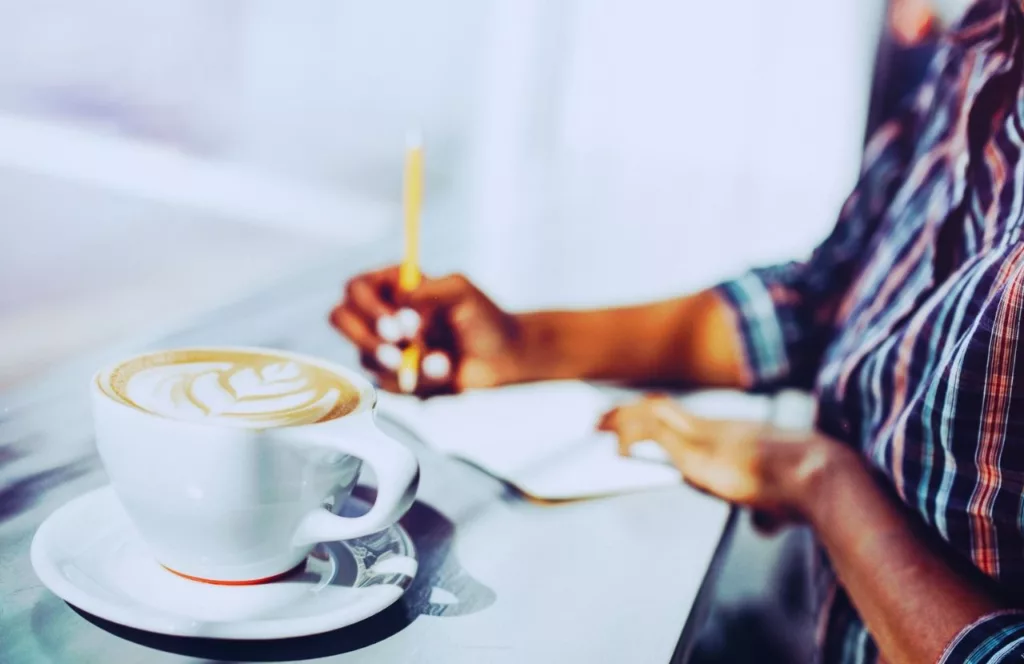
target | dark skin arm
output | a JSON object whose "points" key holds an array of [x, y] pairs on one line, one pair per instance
{"points": [[909, 595], [687, 341], [912, 597]]}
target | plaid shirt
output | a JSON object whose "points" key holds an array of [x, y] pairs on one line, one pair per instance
{"points": [[905, 321]]}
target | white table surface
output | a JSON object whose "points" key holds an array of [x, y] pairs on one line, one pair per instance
{"points": [[501, 579]]}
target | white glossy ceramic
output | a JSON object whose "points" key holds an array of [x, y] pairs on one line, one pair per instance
{"points": [[89, 554], [238, 505]]}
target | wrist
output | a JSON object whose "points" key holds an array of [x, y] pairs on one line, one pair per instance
{"points": [[542, 350], [820, 470]]}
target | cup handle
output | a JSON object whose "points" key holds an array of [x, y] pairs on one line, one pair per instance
{"points": [[398, 475]]}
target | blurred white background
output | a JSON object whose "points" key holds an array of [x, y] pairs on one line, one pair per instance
{"points": [[159, 158]]}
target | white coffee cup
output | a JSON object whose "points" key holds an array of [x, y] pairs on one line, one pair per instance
{"points": [[220, 495]]}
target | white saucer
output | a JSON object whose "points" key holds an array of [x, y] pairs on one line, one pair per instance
{"points": [[88, 554]]}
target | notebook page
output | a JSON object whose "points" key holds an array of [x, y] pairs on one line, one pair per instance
{"points": [[507, 429]]}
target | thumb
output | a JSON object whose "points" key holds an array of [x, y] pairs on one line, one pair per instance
{"points": [[443, 291], [475, 374], [674, 416]]}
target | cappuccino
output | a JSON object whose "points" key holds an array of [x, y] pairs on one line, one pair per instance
{"points": [[237, 387], [244, 500]]}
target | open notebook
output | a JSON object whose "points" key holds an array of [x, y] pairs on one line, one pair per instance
{"points": [[541, 437]]}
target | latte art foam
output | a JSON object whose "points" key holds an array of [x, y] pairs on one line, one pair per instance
{"points": [[236, 388]]}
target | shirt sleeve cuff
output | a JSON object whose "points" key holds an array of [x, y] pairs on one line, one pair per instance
{"points": [[997, 637], [760, 327]]}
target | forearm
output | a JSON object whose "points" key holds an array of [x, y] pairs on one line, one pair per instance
{"points": [[691, 340], [910, 597]]}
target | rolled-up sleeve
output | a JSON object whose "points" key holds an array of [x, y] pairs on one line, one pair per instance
{"points": [[786, 314], [768, 325], [998, 637]]}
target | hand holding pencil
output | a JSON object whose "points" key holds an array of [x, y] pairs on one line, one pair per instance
{"points": [[426, 336]]}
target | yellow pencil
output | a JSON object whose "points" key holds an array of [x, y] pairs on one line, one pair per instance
{"points": [[409, 276]]}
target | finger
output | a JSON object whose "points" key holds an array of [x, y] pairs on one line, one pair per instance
{"points": [[475, 373], [441, 362], [388, 329], [629, 425], [675, 446], [431, 328], [626, 441], [355, 328], [635, 417], [673, 415], [436, 375], [607, 420], [384, 280], [695, 430], [365, 297], [382, 285], [389, 357], [641, 429], [618, 417], [408, 322], [437, 366], [383, 377]]}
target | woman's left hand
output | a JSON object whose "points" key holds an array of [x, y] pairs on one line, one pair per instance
{"points": [[744, 462]]}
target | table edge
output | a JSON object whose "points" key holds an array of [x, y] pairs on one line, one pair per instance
{"points": [[701, 609]]}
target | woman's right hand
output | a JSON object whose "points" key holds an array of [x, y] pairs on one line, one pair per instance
{"points": [[467, 341]]}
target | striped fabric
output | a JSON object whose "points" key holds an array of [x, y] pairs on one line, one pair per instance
{"points": [[905, 321], [995, 638]]}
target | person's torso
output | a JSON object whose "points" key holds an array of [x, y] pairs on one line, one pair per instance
{"points": [[944, 247]]}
